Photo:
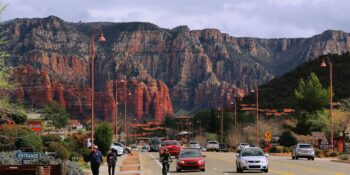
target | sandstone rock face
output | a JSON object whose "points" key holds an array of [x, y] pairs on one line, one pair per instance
{"points": [[187, 68]]}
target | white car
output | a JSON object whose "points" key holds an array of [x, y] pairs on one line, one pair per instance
{"points": [[212, 145], [118, 149], [303, 150], [194, 145], [252, 158], [241, 146]]}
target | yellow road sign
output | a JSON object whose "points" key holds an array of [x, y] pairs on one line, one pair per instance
{"points": [[268, 136]]}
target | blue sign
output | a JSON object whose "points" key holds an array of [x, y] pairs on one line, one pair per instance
{"points": [[28, 155]]}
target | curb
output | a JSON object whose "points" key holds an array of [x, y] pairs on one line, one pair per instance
{"points": [[131, 165]]}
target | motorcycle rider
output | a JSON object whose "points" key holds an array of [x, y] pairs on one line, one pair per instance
{"points": [[165, 158]]}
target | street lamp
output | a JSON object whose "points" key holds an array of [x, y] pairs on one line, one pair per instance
{"points": [[125, 99], [116, 112], [101, 39], [221, 124], [235, 119], [257, 111], [200, 127], [324, 65]]}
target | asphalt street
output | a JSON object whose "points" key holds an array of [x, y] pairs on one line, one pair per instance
{"points": [[224, 163]]}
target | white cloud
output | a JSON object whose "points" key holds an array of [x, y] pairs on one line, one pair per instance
{"points": [[258, 18]]}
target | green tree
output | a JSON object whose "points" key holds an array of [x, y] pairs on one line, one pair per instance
{"points": [[169, 122], [61, 151], [212, 136], [55, 113], [18, 137], [287, 139], [316, 121], [103, 137], [310, 95]]}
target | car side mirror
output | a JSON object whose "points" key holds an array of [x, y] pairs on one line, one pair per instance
{"points": [[267, 155]]}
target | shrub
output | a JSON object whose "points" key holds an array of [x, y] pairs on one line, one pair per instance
{"points": [[276, 149], [85, 153], [287, 149], [46, 139], [344, 157], [61, 151], [74, 156], [103, 137], [18, 137], [319, 153], [331, 153]]}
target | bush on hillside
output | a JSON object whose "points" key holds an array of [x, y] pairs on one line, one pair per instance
{"points": [[61, 151], [287, 139]]}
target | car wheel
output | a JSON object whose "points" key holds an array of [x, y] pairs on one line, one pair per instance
{"points": [[309, 158], [296, 157], [312, 158], [266, 171], [203, 170], [178, 169], [293, 157]]}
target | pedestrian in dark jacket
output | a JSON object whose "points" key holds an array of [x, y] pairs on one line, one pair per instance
{"points": [[95, 160], [111, 160]]}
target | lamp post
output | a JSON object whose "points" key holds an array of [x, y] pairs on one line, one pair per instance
{"points": [[116, 112], [323, 65], [257, 112], [125, 99], [221, 124], [200, 127], [101, 39], [235, 119]]}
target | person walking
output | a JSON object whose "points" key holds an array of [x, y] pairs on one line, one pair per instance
{"points": [[95, 160], [111, 161]]}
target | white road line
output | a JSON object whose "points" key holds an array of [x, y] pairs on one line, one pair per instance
{"points": [[155, 159]]}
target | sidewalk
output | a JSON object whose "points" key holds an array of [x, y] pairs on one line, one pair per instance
{"points": [[104, 167], [131, 165]]}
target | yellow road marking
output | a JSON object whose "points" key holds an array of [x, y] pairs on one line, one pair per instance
{"points": [[306, 168]]}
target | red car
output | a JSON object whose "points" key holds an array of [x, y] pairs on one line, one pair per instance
{"points": [[173, 147], [190, 159]]}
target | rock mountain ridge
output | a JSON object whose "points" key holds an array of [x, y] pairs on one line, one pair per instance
{"points": [[165, 67]]}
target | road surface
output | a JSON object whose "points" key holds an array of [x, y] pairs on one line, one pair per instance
{"points": [[224, 163]]}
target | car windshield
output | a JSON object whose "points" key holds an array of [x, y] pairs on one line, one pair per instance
{"points": [[305, 146], [189, 154], [193, 143], [252, 152], [171, 143], [244, 144], [212, 142]]}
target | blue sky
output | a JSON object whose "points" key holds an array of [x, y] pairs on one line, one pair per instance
{"points": [[254, 18]]}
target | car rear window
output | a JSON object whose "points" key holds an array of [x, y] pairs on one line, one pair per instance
{"points": [[193, 143], [189, 154], [305, 146], [212, 142], [171, 143]]}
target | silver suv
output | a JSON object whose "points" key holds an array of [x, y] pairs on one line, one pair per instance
{"points": [[303, 150], [212, 145]]}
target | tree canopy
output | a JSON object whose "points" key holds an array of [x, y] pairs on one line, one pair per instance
{"points": [[55, 113], [103, 137], [310, 95]]}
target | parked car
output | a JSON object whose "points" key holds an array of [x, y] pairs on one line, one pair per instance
{"points": [[190, 159], [155, 144], [223, 147], [118, 149], [145, 148], [173, 146], [303, 150], [194, 145], [241, 146], [212, 145], [252, 158], [126, 150]]}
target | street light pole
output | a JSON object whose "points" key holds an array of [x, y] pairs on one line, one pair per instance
{"points": [[257, 114], [116, 111], [101, 39], [323, 64], [125, 130], [235, 120], [222, 125]]}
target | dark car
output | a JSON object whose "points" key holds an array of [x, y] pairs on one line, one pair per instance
{"points": [[190, 159], [154, 144], [223, 147]]}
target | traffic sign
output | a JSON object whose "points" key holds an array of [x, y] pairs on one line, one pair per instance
{"points": [[268, 136], [28, 155]]}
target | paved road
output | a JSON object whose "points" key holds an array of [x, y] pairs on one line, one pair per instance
{"points": [[223, 163]]}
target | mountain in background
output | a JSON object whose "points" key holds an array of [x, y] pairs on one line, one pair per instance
{"points": [[165, 68]]}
